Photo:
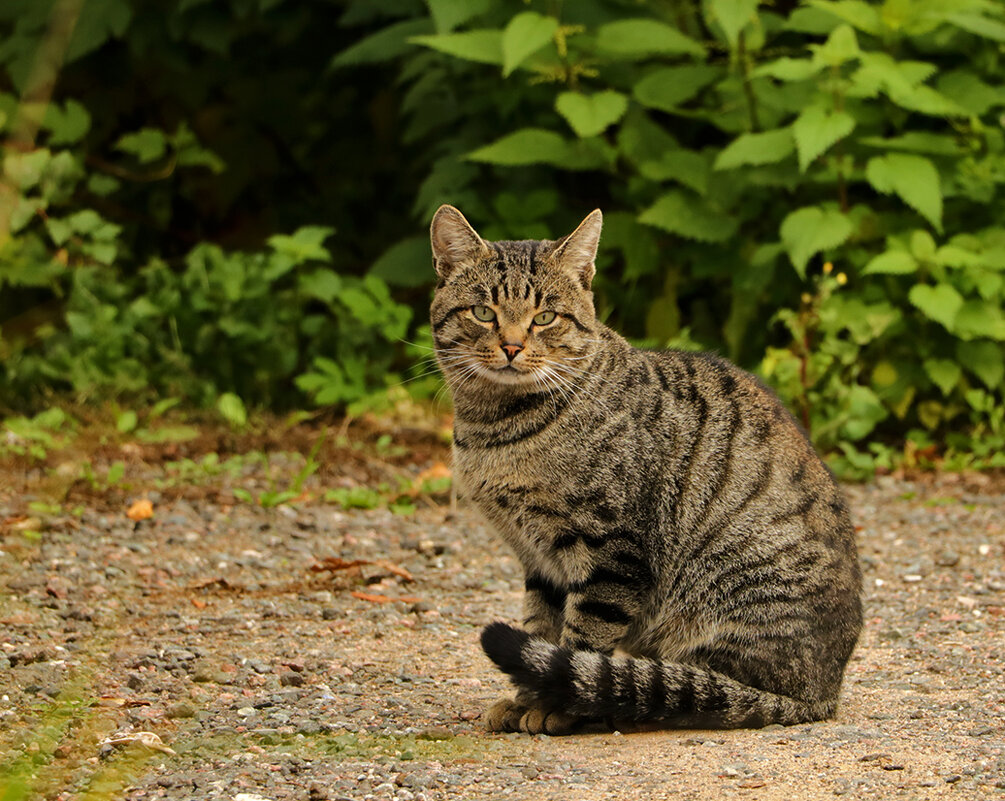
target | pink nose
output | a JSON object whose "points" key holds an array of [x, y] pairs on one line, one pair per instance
{"points": [[512, 349]]}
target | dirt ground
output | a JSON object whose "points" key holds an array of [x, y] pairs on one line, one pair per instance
{"points": [[264, 665]]}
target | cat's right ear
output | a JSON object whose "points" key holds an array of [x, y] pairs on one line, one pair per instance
{"points": [[455, 242]]}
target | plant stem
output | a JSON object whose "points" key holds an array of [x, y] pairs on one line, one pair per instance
{"points": [[748, 88]]}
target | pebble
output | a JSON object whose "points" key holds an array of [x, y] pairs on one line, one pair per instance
{"points": [[290, 678], [180, 710]]}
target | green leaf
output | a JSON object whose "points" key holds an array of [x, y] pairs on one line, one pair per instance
{"points": [[525, 34], [448, 14], [684, 166], [147, 144], [323, 284], [841, 46], [733, 16], [893, 262], [979, 25], [984, 359], [940, 302], [970, 92], [756, 148], [863, 411], [913, 179], [526, 146], [406, 263], [100, 21], [667, 88], [808, 231], [384, 45], [540, 146], [915, 142], [816, 130], [945, 374], [862, 15], [483, 46], [644, 37], [67, 127], [304, 244], [688, 216], [788, 69], [231, 407], [590, 115], [922, 245], [127, 421], [979, 318]]}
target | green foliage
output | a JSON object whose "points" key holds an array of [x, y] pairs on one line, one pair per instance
{"points": [[813, 188]]}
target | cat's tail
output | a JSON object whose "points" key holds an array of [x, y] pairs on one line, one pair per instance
{"points": [[592, 685]]}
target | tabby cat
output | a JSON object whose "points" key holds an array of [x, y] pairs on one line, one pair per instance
{"points": [[688, 558]]}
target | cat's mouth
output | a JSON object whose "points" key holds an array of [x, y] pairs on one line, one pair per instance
{"points": [[508, 374]]}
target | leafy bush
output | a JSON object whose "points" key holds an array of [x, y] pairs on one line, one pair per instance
{"points": [[811, 187]]}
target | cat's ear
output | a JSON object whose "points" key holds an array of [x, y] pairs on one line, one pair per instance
{"points": [[578, 251], [455, 242]]}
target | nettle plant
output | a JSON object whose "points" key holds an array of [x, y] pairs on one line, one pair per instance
{"points": [[255, 324], [813, 188]]}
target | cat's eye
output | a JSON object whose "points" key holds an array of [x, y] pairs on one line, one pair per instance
{"points": [[483, 313], [544, 318]]}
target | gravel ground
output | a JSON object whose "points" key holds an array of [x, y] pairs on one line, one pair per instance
{"points": [[213, 626]]}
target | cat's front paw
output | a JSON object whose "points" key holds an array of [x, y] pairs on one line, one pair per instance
{"points": [[504, 715], [543, 721]]}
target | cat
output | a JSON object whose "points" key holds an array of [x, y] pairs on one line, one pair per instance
{"points": [[689, 560]]}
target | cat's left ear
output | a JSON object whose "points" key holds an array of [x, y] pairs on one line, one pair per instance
{"points": [[578, 251]]}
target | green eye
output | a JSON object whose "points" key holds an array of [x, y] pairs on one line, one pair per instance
{"points": [[544, 318], [483, 313]]}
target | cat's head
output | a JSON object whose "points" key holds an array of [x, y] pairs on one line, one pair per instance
{"points": [[513, 313]]}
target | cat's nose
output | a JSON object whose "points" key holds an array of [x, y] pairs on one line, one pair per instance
{"points": [[511, 349]]}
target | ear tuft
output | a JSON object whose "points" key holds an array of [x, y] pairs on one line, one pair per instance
{"points": [[455, 242], [578, 251]]}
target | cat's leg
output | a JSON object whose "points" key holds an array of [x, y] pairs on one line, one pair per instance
{"points": [[598, 615], [543, 604], [543, 608]]}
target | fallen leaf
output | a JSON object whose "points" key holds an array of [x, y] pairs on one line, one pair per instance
{"points": [[147, 738], [393, 568], [334, 563], [219, 582], [371, 597], [142, 509], [750, 784], [383, 599], [197, 603]]}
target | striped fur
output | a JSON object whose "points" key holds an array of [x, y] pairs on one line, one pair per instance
{"points": [[688, 557]]}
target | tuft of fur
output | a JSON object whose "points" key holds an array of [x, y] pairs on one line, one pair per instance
{"points": [[688, 558]]}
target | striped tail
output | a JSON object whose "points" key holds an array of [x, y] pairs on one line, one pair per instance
{"points": [[595, 686]]}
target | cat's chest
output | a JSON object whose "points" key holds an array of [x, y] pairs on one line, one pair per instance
{"points": [[526, 503]]}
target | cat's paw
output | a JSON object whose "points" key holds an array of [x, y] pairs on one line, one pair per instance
{"points": [[543, 721], [504, 715]]}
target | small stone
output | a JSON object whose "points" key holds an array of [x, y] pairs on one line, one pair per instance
{"points": [[181, 710], [134, 682], [892, 766], [246, 711], [317, 793], [981, 731], [435, 733], [330, 613], [947, 558], [290, 678], [953, 779], [259, 666]]}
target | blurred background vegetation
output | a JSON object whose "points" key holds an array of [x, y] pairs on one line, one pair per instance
{"points": [[225, 202]]}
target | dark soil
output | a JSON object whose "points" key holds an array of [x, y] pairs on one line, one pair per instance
{"points": [[273, 668]]}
